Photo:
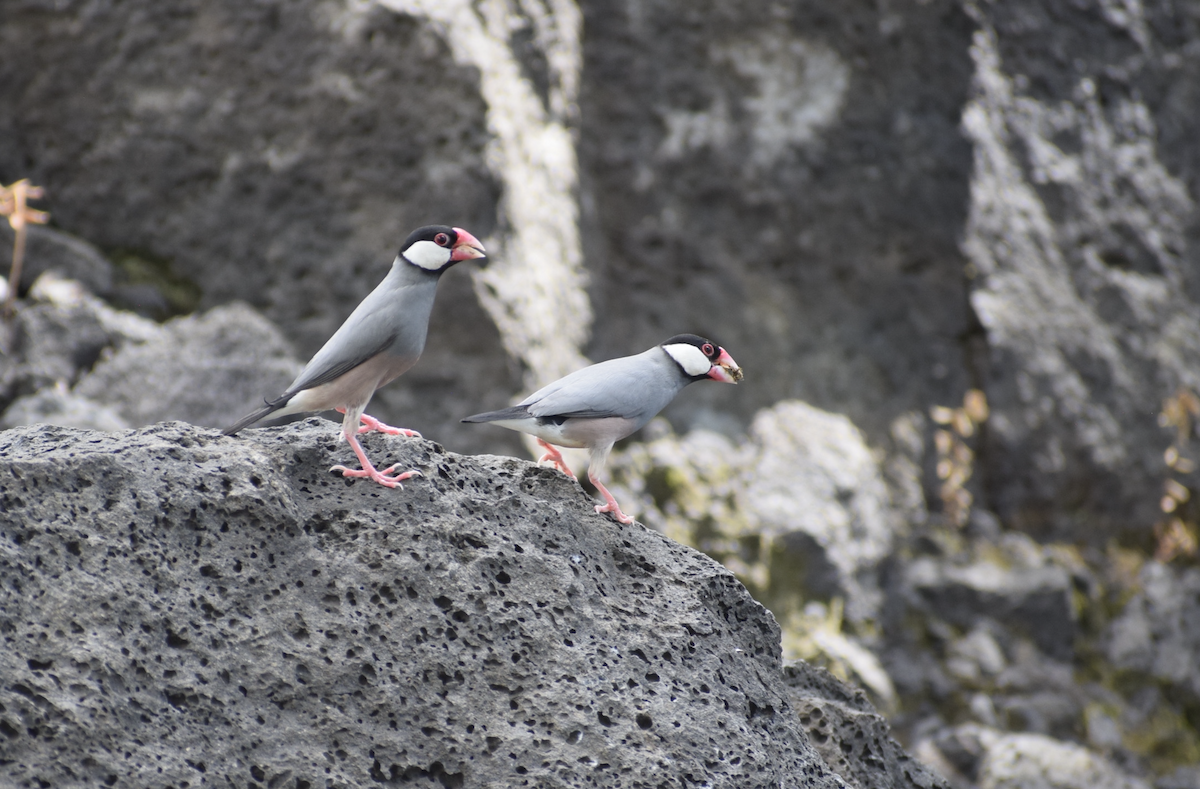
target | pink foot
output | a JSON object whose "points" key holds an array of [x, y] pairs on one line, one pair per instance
{"points": [[369, 471], [611, 503], [371, 423], [615, 509], [379, 476], [554, 455]]}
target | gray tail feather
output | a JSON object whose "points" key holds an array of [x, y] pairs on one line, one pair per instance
{"points": [[250, 419], [515, 412]]}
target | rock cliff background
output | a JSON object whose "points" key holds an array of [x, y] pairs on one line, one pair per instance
{"points": [[953, 244]]}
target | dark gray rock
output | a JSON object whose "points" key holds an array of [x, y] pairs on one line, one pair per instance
{"points": [[1158, 631], [789, 179], [57, 405], [276, 153], [56, 342], [57, 334], [854, 739], [1082, 255], [178, 606], [981, 756], [1035, 601], [878, 207], [78, 362], [206, 369], [48, 249]]}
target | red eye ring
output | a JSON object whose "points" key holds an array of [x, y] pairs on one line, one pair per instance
{"points": [[707, 349], [441, 239]]}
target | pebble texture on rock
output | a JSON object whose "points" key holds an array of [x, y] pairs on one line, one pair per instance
{"points": [[184, 609]]}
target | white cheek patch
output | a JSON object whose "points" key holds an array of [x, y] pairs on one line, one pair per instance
{"points": [[427, 255], [689, 357]]}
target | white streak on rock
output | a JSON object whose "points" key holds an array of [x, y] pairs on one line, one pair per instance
{"points": [[1041, 277], [534, 287]]}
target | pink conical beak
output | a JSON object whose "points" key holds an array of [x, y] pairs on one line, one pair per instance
{"points": [[468, 247], [725, 370]]}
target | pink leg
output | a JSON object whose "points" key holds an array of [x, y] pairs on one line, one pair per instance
{"points": [[553, 454], [612, 505], [370, 471]]}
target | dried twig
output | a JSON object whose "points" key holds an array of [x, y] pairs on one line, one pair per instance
{"points": [[14, 204]]}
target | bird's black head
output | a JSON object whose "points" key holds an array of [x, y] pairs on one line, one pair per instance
{"points": [[700, 358], [436, 248]]}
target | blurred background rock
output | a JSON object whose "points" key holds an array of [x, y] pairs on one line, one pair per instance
{"points": [[878, 207]]}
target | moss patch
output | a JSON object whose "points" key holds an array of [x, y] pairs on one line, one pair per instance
{"points": [[140, 271]]}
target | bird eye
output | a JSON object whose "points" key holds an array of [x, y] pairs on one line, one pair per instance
{"points": [[441, 239], [707, 349]]}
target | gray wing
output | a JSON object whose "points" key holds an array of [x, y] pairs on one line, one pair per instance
{"points": [[632, 387], [391, 319]]}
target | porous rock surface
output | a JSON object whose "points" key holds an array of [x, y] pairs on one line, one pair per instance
{"points": [[848, 732], [184, 609]]}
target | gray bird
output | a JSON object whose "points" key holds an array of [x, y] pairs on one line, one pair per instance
{"points": [[597, 406], [381, 339]]}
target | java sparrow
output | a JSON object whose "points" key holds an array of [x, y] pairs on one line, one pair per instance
{"points": [[597, 406], [381, 339]]}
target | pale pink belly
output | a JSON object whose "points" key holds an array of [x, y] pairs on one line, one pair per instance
{"points": [[353, 389], [581, 433]]}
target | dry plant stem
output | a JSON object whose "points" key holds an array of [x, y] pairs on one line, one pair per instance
{"points": [[13, 204], [14, 273]]}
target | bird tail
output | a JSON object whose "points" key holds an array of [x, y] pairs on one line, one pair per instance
{"points": [[515, 412], [250, 419]]}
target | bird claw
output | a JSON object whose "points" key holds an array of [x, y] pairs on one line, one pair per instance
{"points": [[553, 455], [615, 510], [379, 476], [371, 423], [556, 462], [406, 475]]}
